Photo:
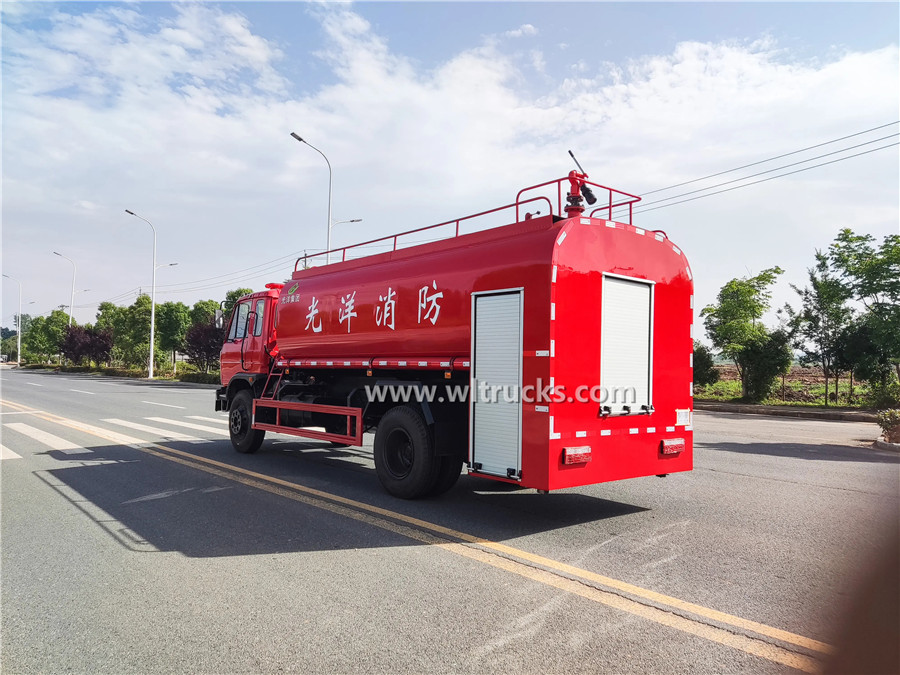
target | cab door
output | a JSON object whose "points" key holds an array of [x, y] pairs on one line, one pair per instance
{"points": [[232, 348], [244, 348]]}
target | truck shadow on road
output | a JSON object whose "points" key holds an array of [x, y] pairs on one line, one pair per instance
{"points": [[827, 453], [150, 503]]}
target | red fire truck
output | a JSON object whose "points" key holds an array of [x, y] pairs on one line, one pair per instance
{"points": [[552, 352]]}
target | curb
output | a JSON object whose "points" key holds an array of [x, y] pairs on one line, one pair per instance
{"points": [[134, 380], [884, 445], [798, 412]]}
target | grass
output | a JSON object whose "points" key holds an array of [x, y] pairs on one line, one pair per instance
{"points": [[186, 372], [803, 387]]}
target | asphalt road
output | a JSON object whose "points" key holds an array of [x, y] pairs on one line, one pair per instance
{"points": [[156, 548]]}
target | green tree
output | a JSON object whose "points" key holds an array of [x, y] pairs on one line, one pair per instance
{"points": [[704, 369], [130, 328], [873, 277], [172, 321], [733, 323], [26, 321], [202, 344], [232, 297], [44, 336], [111, 318], [821, 319], [10, 347], [766, 356], [203, 311], [56, 326]]}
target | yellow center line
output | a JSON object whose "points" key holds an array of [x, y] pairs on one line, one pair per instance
{"points": [[375, 516]]}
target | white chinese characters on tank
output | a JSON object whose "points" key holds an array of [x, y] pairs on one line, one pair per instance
{"points": [[348, 302], [312, 320], [428, 302], [384, 310]]}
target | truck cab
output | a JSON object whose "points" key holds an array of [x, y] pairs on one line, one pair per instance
{"points": [[250, 335]]}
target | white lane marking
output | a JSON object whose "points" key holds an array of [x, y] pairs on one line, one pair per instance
{"points": [[222, 420], [51, 441], [34, 384], [165, 405], [188, 425], [81, 391], [109, 384], [165, 433], [6, 453], [159, 495], [116, 437]]}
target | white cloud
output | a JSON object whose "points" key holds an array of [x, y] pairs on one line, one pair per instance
{"points": [[521, 31], [186, 121]]}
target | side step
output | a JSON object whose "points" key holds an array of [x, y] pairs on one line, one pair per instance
{"points": [[353, 415]]}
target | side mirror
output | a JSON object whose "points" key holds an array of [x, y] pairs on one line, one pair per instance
{"points": [[220, 319]]}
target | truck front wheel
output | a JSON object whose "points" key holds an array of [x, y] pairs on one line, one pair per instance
{"points": [[244, 438], [404, 454]]}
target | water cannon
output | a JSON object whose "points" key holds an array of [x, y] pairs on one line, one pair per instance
{"points": [[578, 191]]}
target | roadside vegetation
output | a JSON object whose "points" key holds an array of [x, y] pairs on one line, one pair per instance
{"points": [[187, 341], [839, 345]]}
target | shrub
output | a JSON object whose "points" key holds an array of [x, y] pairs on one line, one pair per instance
{"points": [[883, 396], [889, 421], [124, 372], [705, 372], [202, 378], [764, 358]]}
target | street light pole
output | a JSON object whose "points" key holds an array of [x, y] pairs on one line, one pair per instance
{"points": [[152, 294], [74, 270], [338, 222], [328, 240], [18, 324]]}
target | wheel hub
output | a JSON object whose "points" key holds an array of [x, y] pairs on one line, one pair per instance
{"points": [[236, 421], [399, 453]]}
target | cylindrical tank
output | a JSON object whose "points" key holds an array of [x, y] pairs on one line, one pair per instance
{"points": [[415, 301]]}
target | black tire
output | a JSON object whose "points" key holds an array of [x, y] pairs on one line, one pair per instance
{"points": [[448, 473], [404, 454], [243, 437]]}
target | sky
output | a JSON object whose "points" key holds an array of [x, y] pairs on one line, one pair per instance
{"points": [[427, 112]]}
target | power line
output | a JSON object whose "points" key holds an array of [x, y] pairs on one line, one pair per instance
{"points": [[771, 159], [736, 187], [761, 173]]}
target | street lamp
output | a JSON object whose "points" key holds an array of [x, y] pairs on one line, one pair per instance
{"points": [[338, 222], [74, 270], [18, 324], [328, 241], [152, 293]]}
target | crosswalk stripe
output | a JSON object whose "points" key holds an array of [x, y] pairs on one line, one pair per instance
{"points": [[114, 436], [165, 433], [51, 441], [220, 420], [188, 425], [6, 453]]}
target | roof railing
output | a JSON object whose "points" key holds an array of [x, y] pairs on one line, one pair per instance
{"points": [[393, 239]]}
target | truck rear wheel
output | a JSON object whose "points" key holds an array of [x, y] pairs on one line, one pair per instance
{"points": [[243, 437], [404, 454], [448, 473]]}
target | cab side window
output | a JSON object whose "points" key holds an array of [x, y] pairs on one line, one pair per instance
{"points": [[258, 321], [238, 328]]}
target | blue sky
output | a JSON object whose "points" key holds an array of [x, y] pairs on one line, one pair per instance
{"points": [[427, 111]]}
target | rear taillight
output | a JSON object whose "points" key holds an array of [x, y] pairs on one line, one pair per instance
{"points": [[672, 446], [579, 455]]}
